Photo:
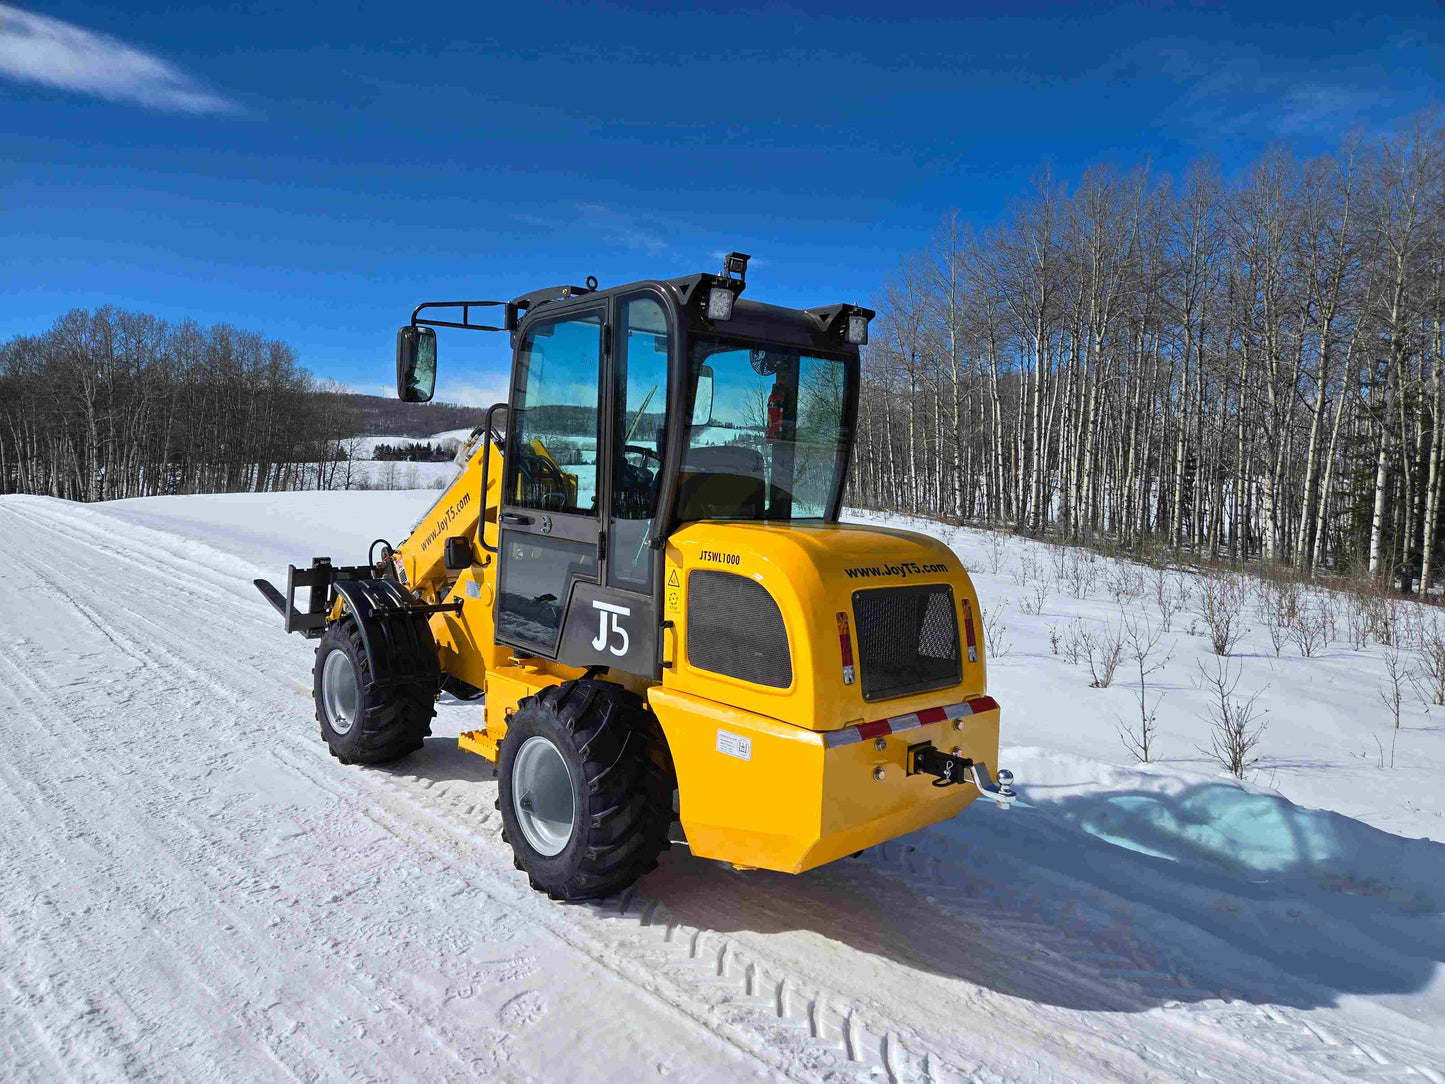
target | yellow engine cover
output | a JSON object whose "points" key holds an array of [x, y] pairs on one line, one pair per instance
{"points": [[788, 777], [812, 573]]}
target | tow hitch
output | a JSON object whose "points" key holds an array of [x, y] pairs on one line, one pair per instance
{"points": [[950, 769]]}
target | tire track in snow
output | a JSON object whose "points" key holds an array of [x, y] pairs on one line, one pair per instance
{"points": [[227, 872], [49, 707], [158, 645], [838, 1030]]}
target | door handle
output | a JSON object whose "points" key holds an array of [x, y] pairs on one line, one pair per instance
{"points": [[514, 518]]}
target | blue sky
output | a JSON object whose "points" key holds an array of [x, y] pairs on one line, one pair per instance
{"points": [[313, 171]]}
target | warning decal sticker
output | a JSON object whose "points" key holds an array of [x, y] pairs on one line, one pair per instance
{"points": [[734, 745]]}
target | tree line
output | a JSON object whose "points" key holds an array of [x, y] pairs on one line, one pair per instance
{"points": [[415, 451], [110, 404], [1240, 369]]}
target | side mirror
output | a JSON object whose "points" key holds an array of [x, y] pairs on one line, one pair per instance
{"points": [[416, 364], [702, 402]]}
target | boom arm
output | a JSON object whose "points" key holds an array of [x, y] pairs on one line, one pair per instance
{"points": [[421, 560]]}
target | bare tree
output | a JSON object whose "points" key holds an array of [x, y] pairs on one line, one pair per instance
{"points": [[1392, 693], [1142, 646], [1247, 370]]}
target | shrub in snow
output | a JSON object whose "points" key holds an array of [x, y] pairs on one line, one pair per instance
{"points": [[1277, 605], [1142, 645], [1124, 582], [1384, 613], [1075, 641], [1358, 620], [1392, 691], [1105, 650], [1428, 636], [1034, 598], [995, 546], [1309, 630], [1220, 599], [1170, 595], [995, 633], [1235, 725], [1029, 568], [1081, 572]]}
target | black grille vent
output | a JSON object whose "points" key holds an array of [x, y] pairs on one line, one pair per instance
{"points": [[907, 640], [735, 628]]}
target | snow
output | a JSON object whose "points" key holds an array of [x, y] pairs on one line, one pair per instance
{"points": [[193, 890]]}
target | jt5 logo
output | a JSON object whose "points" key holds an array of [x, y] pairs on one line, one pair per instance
{"points": [[604, 634]]}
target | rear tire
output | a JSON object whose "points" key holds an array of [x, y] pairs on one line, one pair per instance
{"points": [[588, 746], [361, 727]]}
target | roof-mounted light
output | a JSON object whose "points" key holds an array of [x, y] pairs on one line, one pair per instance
{"points": [[724, 291], [857, 333], [843, 323], [720, 302]]}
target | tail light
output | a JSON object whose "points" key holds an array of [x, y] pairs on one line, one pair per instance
{"points": [[968, 634], [845, 643]]}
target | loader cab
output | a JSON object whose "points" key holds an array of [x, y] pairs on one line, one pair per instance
{"points": [[635, 409]]}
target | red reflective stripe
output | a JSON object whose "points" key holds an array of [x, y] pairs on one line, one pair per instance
{"points": [[863, 731], [873, 730]]}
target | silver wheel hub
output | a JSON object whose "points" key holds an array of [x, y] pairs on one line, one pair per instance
{"points": [[543, 796], [340, 698]]}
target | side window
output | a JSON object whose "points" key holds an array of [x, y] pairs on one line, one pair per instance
{"points": [[553, 429], [641, 374]]}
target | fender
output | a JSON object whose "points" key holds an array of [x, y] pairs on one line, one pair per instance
{"points": [[395, 632], [394, 624]]}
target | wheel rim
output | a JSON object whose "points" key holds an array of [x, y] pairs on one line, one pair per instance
{"points": [[339, 695], [543, 796]]}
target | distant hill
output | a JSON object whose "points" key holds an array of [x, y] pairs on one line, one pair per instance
{"points": [[379, 416]]}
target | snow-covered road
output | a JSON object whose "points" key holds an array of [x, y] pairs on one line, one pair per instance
{"points": [[192, 890]]}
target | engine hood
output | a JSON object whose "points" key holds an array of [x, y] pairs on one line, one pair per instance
{"points": [[813, 573]]}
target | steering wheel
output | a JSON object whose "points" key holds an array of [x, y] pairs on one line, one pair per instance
{"points": [[650, 453]]}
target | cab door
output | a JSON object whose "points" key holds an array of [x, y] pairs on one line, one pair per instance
{"points": [[549, 530]]}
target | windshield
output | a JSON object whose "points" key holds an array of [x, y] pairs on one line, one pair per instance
{"points": [[768, 442]]}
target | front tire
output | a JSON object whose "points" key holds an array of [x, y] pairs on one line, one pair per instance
{"points": [[361, 726], [585, 789]]}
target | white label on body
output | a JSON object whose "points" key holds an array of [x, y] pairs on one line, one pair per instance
{"points": [[734, 745]]}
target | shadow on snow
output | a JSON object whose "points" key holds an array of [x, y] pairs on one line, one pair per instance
{"points": [[1205, 890]]}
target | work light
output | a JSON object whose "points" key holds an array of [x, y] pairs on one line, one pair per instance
{"points": [[720, 303], [858, 329]]}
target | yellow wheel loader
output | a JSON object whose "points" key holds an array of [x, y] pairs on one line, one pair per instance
{"points": [[639, 568]]}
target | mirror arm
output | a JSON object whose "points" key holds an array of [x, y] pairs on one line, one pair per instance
{"points": [[509, 315]]}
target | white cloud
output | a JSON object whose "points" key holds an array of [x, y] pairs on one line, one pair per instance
{"points": [[477, 395], [1230, 91], [641, 233], [39, 49]]}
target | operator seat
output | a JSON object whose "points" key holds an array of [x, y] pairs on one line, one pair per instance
{"points": [[722, 481]]}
